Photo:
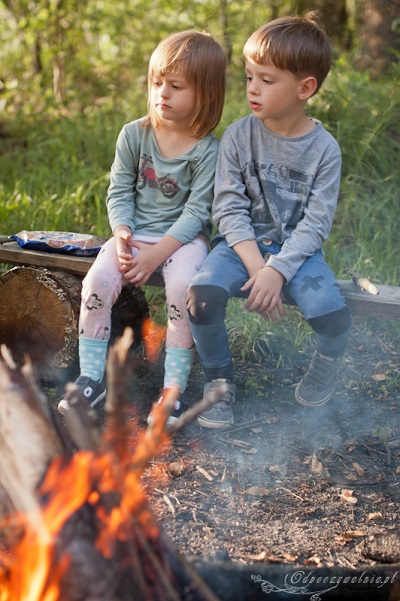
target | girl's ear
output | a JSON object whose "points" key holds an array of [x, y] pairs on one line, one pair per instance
{"points": [[308, 87]]}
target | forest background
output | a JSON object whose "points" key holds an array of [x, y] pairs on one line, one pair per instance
{"points": [[72, 72]]}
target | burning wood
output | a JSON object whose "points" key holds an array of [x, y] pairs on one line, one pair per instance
{"points": [[77, 525]]}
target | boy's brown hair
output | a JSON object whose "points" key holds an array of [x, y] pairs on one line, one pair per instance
{"points": [[201, 61], [295, 44]]}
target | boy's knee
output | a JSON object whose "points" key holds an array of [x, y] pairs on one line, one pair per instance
{"points": [[206, 304], [332, 324]]}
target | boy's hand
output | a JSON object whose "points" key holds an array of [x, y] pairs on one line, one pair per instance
{"points": [[265, 293]]}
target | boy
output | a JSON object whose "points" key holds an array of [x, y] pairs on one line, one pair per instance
{"points": [[276, 189]]}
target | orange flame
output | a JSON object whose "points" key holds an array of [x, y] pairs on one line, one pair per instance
{"points": [[30, 574], [153, 339]]}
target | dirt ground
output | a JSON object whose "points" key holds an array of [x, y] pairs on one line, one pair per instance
{"points": [[287, 484]]}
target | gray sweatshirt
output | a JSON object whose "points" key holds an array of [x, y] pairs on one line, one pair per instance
{"points": [[283, 189]]}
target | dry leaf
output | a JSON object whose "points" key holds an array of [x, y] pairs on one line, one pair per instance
{"points": [[239, 443], [176, 468], [351, 477], [169, 503], [257, 491], [347, 495], [374, 516], [290, 557], [379, 377], [342, 540], [263, 556], [398, 469], [274, 558], [313, 560], [204, 473], [274, 469], [358, 468], [354, 533], [317, 467]]}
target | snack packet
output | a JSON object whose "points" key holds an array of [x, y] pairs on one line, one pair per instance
{"points": [[84, 245]]}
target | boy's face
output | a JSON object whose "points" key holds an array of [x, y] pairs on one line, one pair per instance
{"points": [[273, 94], [172, 98]]}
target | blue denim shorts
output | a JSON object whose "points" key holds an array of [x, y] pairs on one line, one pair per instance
{"points": [[314, 288]]}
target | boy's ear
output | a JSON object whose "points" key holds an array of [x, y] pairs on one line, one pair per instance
{"points": [[308, 86]]}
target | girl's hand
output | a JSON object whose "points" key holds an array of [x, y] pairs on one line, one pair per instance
{"points": [[123, 239], [137, 270], [265, 293]]}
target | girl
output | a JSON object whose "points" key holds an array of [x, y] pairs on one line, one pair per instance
{"points": [[158, 203]]}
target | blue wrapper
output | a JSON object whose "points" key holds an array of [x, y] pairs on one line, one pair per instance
{"points": [[70, 243]]}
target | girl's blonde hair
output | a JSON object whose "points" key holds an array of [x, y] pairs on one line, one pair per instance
{"points": [[201, 61], [295, 44]]}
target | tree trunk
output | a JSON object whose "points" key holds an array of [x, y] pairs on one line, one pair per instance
{"points": [[59, 77], [223, 19], [331, 16], [39, 315], [377, 33]]}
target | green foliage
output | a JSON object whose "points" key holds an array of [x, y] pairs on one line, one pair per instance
{"points": [[56, 156], [252, 338]]}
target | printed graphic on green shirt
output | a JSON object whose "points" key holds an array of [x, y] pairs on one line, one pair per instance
{"points": [[147, 176]]}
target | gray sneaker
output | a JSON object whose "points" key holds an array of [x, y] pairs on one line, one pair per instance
{"points": [[221, 413], [93, 391], [318, 383]]}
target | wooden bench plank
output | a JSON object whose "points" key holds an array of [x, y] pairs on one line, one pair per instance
{"points": [[13, 254], [385, 305]]}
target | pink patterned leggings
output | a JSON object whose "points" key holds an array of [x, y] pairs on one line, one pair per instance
{"points": [[103, 284]]}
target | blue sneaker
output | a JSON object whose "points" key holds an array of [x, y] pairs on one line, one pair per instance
{"points": [[93, 391], [179, 407]]}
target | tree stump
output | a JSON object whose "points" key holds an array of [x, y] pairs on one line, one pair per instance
{"points": [[39, 315]]}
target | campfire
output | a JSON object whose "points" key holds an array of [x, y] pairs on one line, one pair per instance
{"points": [[76, 524]]}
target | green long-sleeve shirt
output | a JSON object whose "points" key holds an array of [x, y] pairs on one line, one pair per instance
{"points": [[155, 196]]}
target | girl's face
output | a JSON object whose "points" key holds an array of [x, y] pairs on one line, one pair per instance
{"points": [[172, 98]]}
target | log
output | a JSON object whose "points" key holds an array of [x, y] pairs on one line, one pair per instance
{"points": [[27, 444], [233, 582], [385, 305], [39, 314]]}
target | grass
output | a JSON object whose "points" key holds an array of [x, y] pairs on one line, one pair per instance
{"points": [[54, 174]]}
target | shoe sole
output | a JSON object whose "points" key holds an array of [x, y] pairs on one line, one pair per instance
{"points": [[209, 424], [98, 400], [307, 403], [169, 422], [63, 406]]}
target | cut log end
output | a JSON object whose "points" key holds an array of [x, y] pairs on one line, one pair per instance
{"points": [[39, 315]]}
